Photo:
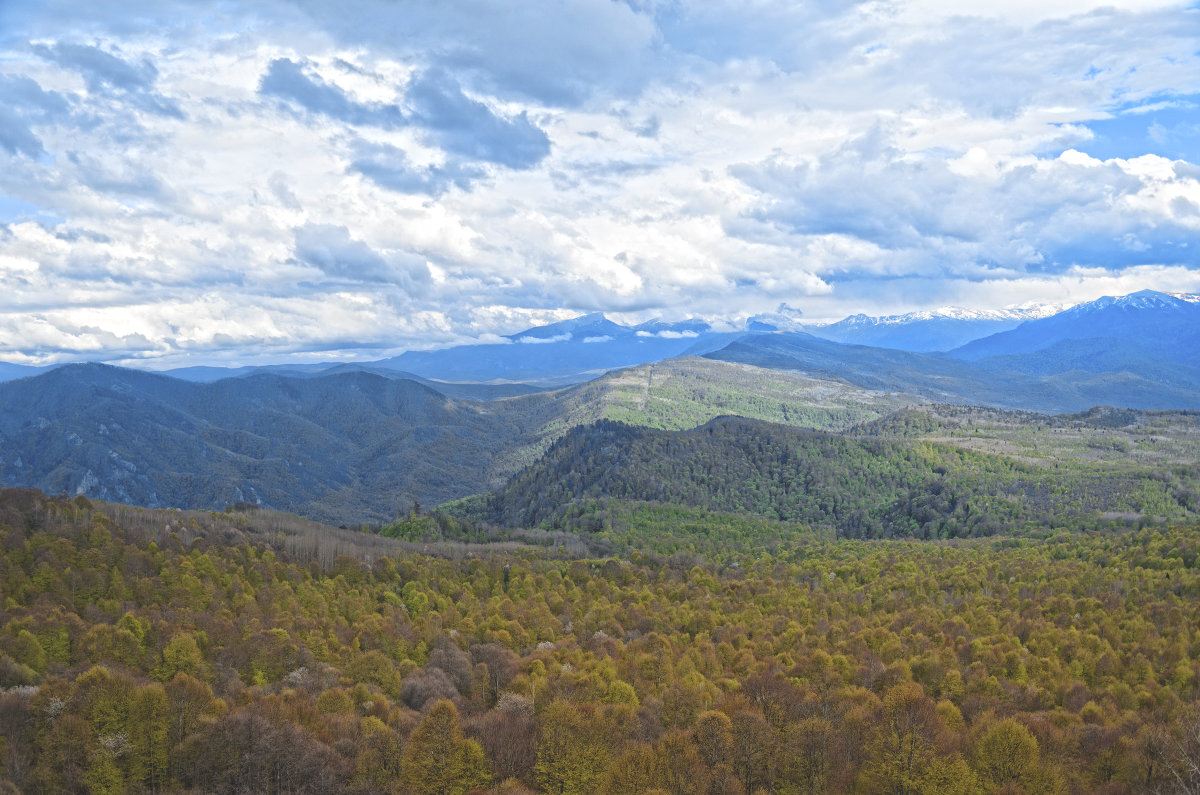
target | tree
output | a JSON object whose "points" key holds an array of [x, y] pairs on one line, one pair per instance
{"points": [[1005, 753], [188, 700], [149, 718], [181, 655], [508, 734], [633, 772], [438, 760], [379, 757], [807, 754], [714, 737], [571, 758], [753, 747], [680, 769], [904, 747]]}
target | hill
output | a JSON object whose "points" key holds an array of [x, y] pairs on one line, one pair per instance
{"points": [[166, 651], [887, 480], [351, 446], [342, 447], [1022, 381]]}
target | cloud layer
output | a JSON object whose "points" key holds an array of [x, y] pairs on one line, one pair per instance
{"points": [[192, 181]]}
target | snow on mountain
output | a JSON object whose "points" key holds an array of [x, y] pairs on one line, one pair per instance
{"points": [[929, 330], [1166, 324]]}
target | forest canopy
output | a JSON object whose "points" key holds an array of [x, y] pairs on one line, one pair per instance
{"points": [[160, 651]]}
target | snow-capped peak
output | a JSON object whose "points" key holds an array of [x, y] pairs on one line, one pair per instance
{"points": [[1018, 314], [1143, 299]]}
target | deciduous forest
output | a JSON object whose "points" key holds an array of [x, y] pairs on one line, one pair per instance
{"points": [[167, 651]]}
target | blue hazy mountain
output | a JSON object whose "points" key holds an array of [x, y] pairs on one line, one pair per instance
{"points": [[1159, 326], [10, 372], [1022, 382], [923, 332], [462, 391], [566, 352], [350, 445]]}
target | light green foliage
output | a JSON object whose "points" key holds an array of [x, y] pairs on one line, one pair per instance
{"points": [[717, 652], [572, 759], [438, 760], [181, 655], [1005, 753]]}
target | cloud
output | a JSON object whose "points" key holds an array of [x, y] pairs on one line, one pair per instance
{"points": [[544, 340], [23, 102], [1025, 213], [415, 174], [467, 127], [99, 68], [335, 253], [15, 135], [461, 126], [281, 190], [288, 80], [389, 167], [560, 55], [103, 71]]}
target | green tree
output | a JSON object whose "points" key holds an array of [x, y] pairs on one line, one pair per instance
{"points": [[571, 757], [438, 760], [1005, 753], [181, 655], [149, 722]]}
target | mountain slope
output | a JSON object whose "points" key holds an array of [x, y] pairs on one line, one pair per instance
{"points": [[923, 332], [352, 446], [338, 447], [946, 379], [860, 485], [462, 391], [1167, 324]]}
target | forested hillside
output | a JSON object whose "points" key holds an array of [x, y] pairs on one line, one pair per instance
{"points": [[884, 481], [161, 651], [353, 446]]}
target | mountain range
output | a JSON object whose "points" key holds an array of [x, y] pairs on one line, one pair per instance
{"points": [[924, 332], [363, 442], [581, 348]]}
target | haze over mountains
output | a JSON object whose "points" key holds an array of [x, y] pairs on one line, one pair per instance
{"points": [[923, 332], [357, 442], [584, 347]]}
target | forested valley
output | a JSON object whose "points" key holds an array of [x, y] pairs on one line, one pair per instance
{"points": [[167, 651]]}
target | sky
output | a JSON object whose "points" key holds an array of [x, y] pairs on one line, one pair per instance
{"points": [[246, 182]]}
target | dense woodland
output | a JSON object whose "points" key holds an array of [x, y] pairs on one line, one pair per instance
{"points": [[886, 480], [161, 651]]}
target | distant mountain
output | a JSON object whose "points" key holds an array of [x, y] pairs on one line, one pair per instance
{"points": [[347, 446], [561, 353], [585, 327], [352, 446], [1167, 325], [10, 372], [945, 379], [462, 391], [1099, 356], [936, 330]]}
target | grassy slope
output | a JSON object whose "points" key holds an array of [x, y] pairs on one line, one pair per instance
{"points": [[678, 394]]}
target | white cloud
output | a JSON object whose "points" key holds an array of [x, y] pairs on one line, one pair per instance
{"points": [[422, 174]]}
